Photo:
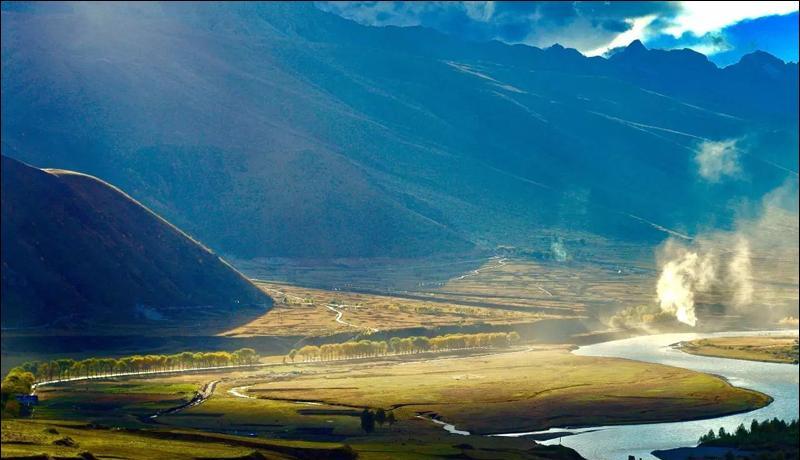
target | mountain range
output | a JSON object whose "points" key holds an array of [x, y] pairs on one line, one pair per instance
{"points": [[279, 130]]}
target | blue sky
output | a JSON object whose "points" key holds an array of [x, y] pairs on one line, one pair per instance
{"points": [[724, 31], [777, 35]]}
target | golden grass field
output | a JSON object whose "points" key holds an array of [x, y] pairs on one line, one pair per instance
{"points": [[110, 419], [35, 438], [63, 439], [494, 291], [522, 390], [483, 391], [754, 348], [305, 311]]}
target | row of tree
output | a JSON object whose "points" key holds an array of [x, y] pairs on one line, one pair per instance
{"points": [[402, 346], [772, 434], [61, 369]]}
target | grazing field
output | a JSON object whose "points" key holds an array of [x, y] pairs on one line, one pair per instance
{"points": [[595, 279], [315, 312], [118, 402], [516, 391], [568, 288], [492, 291], [618, 277], [23, 438], [754, 348], [74, 440], [522, 390], [113, 419]]}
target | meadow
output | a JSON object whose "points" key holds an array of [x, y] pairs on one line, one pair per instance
{"points": [[481, 391], [314, 312], [522, 390], [64, 439], [753, 348]]}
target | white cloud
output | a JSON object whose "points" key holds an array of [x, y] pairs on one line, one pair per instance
{"points": [[718, 160], [636, 32], [702, 17], [710, 49], [592, 28], [479, 11]]}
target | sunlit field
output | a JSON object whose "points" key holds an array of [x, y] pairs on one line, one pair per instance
{"points": [[769, 349]]}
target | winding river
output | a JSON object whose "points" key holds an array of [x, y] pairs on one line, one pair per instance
{"points": [[617, 442]]}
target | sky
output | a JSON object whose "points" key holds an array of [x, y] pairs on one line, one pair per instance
{"points": [[724, 31]]}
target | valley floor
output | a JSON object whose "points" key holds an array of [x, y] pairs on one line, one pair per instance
{"points": [[282, 410], [313, 410]]}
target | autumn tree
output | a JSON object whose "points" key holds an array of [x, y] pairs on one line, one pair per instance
{"points": [[367, 421]]}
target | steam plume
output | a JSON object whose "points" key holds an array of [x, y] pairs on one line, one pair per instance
{"points": [[718, 160], [754, 262], [685, 273]]}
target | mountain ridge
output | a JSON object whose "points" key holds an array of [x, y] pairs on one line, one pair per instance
{"points": [[78, 251]]}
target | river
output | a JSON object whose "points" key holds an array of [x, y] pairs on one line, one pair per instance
{"points": [[617, 442]]}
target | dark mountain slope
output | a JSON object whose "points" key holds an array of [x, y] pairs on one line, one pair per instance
{"points": [[77, 250], [281, 130]]}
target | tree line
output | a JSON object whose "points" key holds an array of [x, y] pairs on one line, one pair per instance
{"points": [[774, 435], [21, 379], [61, 369], [402, 346]]}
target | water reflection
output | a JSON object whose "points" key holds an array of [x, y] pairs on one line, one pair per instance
{"points": [[617, 442]]}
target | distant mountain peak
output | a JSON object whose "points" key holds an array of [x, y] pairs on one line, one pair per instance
{"points": [[760, 64], [759, 57], [636, 45], [560, 50]]}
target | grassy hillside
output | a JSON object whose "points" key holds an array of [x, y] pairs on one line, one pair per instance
{"points": [[77, 252]]}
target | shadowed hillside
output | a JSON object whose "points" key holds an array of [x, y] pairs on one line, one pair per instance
{"points": [[279, 130], [78, 252]]}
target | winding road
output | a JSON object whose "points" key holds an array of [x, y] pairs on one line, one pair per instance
{"points": [[199, 398], [35, 386]]}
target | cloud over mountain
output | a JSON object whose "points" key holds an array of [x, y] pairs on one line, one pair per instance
{"points": [[590, 27]]}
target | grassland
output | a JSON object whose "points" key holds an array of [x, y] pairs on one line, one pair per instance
{"points": [[36, 438], [522, 390], [317, 405], [63, 439], [512, 284], [517, 391], [596, 279], [494, 291], [313, 312], [754, 348]]}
